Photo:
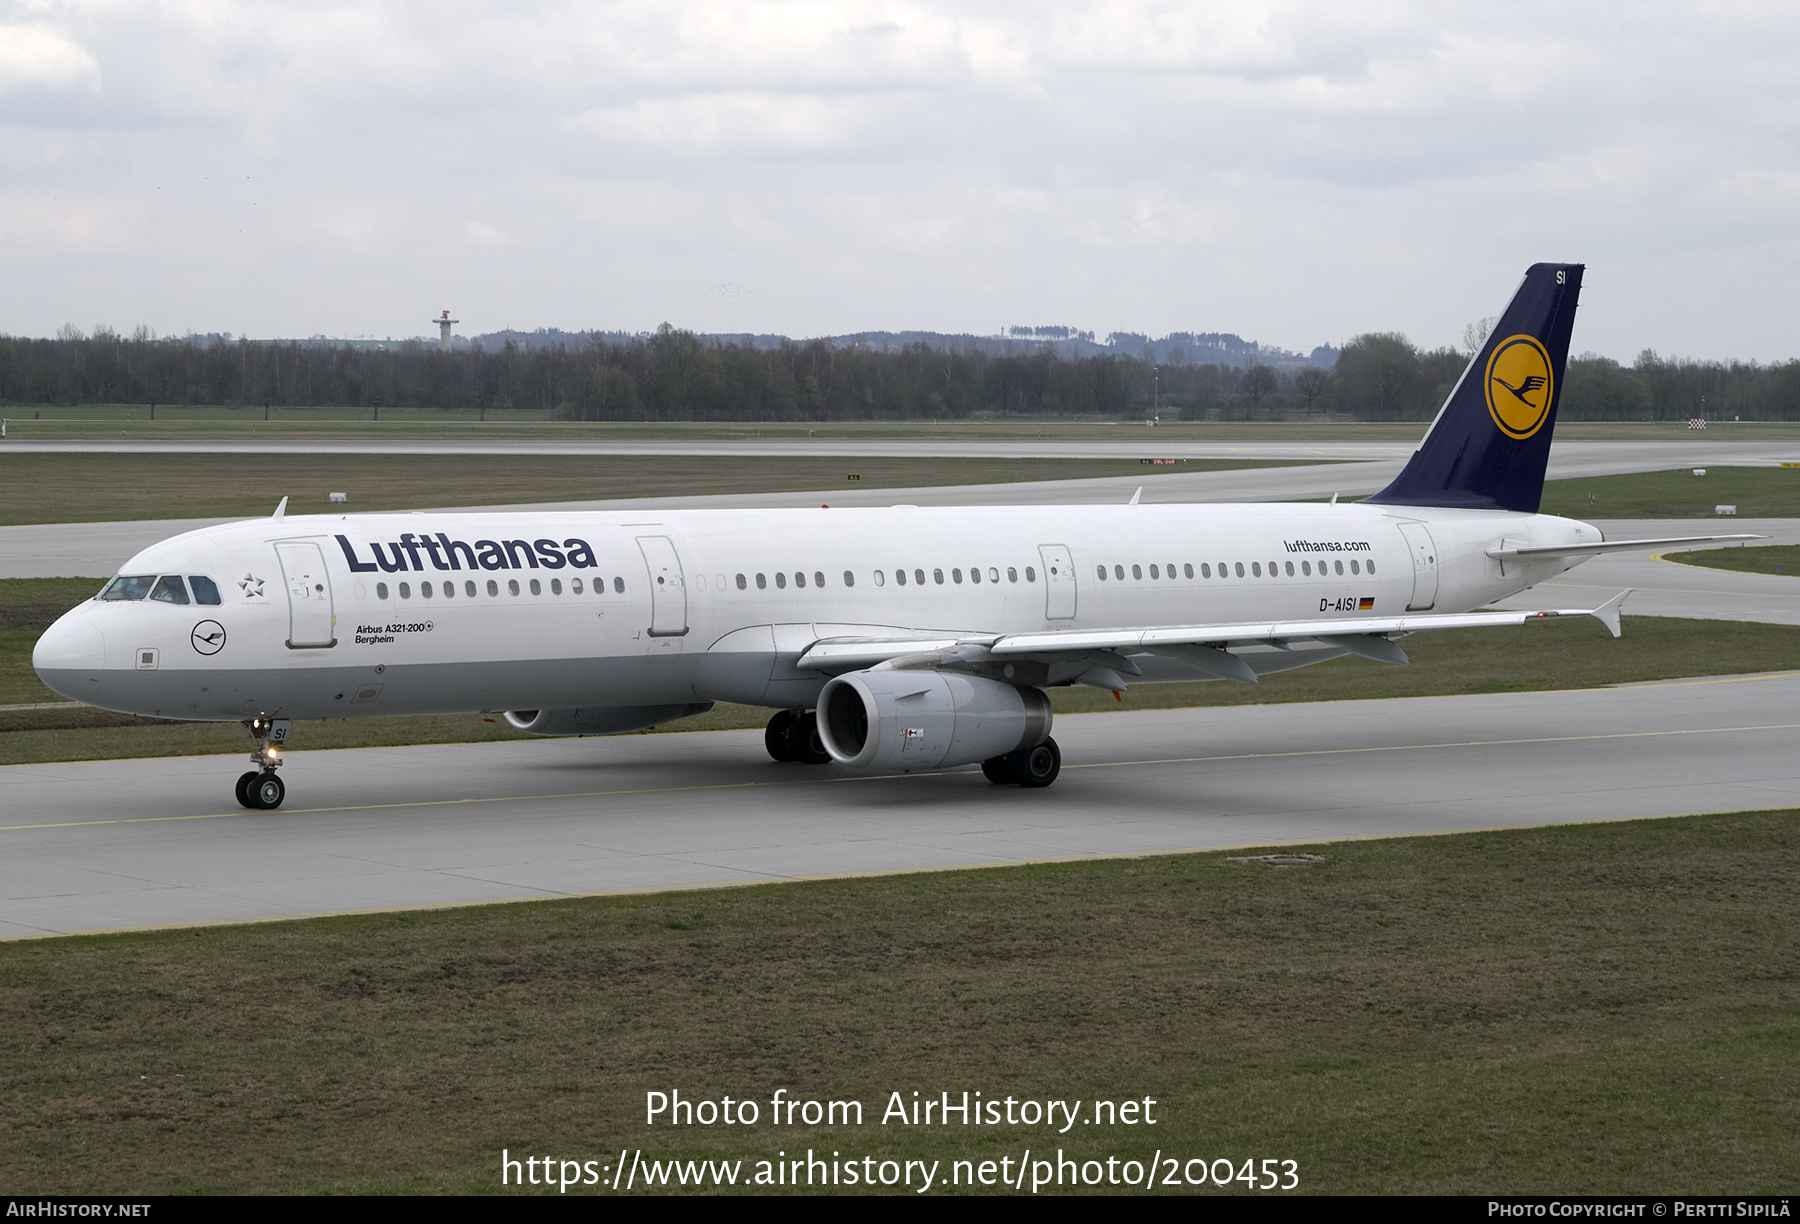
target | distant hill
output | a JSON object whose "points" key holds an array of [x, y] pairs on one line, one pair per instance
{"points": [[1176, 348]]}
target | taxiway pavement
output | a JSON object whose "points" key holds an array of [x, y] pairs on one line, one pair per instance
{"points": [[125, 844]]}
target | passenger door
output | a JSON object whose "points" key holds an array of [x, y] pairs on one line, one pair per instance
{"points": [[1424, 563], [312, 622]]}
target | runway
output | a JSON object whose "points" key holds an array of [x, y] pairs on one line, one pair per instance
{"points": [[1347, 469], [127, 844]]}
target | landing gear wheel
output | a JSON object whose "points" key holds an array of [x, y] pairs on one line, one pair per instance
{"points": [[1000, 770], [1038, 766], [266, 792], [804, 743], [775, 737], [243, 788]]}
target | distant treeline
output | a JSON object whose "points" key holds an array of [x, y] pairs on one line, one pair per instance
{"points": [[673, 375]]}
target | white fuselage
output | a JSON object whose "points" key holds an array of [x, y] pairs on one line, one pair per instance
{"points": [[552, 610]]}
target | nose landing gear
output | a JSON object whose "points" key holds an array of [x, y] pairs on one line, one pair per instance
{"points": [[260, 789]]}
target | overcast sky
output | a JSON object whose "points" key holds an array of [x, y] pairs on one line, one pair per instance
{"points": [[1293, 172]]}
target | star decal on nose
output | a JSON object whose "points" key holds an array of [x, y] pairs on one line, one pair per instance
{"points": [[253, 586]]}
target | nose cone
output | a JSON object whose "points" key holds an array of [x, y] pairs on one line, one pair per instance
{"points": [[70, 657]]}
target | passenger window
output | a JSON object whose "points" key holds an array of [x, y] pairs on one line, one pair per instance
{"points": [[1189, 570], [780, 580], [1137, 571], [1168, 569], [424, 590], [1012, 575], [1030, 574], [129, 588], [1100, 572], [1340, 568], [170, 589], [575, 586], [800, 579], [1290, 569], [993, 574], [1153, 572], [1353, 568], [955, 576], [1119, 572], [536, 588], [512, 586], [975, 573], [1256, 569], [879, 580], [556, 586], [469, 588], [762, 582], [381, 590], [938, 574], [205, 590], [1205, 571], [849, 579], [405, 590], [919, 577], [741, 582], [619, 586], [494, 587], [1240, 569], [819, 578], [900, 577], [1371, 566]]}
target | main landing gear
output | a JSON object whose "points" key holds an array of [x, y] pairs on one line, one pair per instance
{"points": [[793, 735], [1028, 767], [260, 789]]}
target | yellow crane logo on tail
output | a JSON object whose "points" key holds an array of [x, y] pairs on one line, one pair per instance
{"points": [[1520, 386]]}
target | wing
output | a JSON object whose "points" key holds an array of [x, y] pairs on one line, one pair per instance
{"points": [[1205, 647]]}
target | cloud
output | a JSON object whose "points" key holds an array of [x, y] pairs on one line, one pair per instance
{"points": [[1295, 170], [33, 55]]}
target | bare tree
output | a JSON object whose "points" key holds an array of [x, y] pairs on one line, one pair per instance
{"points": [[1476, 334]]}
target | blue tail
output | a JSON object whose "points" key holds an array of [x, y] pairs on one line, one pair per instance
{"points": [[1491, 440]]}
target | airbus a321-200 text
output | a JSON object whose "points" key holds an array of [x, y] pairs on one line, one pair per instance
{"points": [[889, 640]]}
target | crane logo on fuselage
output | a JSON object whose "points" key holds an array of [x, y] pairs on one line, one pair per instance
{"points": [[1520, 386], [208, 637]]}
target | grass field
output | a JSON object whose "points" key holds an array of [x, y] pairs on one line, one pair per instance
{"points": [[1764, 492], [214, 422], [1550, 655], [1765, 559], [82, 488], [1595, 1009]]}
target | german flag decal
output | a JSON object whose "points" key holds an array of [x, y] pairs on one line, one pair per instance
{"points": [[1366, 603]]}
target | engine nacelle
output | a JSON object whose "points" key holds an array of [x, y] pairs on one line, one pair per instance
{"points": [[600, 720], [907, 719]]}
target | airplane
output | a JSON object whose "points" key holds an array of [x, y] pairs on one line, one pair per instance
{"points": [[890, 640]]}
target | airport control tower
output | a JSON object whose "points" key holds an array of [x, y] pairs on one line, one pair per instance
{"points": [[445, 322]]}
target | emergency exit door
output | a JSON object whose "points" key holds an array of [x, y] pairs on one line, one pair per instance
{"points": [[1059, 581]]}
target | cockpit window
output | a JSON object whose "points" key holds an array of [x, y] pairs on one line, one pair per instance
{"points": [[133, 588], [206, 591], [169, 589]]}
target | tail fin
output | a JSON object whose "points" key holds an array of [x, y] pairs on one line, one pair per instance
{"points": [[1490, 442]]}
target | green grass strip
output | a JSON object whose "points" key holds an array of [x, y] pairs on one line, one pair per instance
{"points": [[1598, 1009]]}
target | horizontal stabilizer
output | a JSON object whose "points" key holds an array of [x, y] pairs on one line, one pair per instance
{"points": [[1612, 546]]}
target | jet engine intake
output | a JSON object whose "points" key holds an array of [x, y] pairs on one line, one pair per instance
{"points": [[600, 720], [907, 719]]}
